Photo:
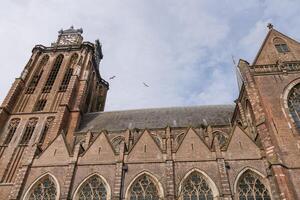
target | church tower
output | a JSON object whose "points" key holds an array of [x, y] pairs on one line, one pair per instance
{"points": [[269, 105], [58, 85]]}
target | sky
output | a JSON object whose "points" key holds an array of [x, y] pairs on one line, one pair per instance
{"points": [[184, 50]]}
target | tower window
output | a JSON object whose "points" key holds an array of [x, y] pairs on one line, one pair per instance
{"points": [[28, 131], [52, 76], [46, 129], [282, 48], [40, 105], [64, 84], [13, 125], [36, 77]]}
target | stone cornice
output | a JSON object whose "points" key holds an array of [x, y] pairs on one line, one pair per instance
{"points": [[277, 68]]}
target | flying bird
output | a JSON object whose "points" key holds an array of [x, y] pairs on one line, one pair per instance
{"points": [[112, 77], [145, 84]]}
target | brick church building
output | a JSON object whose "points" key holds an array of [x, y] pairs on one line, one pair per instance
{"points": [[58, 143]]}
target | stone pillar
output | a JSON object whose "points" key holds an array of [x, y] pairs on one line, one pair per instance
{"points": [[22, 173], [225, 185], [118, 189], [68, 180], [169, 167]]}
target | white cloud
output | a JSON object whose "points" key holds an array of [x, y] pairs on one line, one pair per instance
{"points": [[182, 49]]}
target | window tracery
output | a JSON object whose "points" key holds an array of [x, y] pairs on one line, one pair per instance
{"points": [[294, 104], [195, 187], [52, 76], [47, 126], [28, 131], [45, 189], [144, 189], [250, 187], [67, 77], [93, 189], [12, 127], [36, 77]]}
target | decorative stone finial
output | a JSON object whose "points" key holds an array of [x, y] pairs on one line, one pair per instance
{"points": [[270, 26]]}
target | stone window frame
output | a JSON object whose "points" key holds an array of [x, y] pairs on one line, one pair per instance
{"points": [[107, 186], [284, 104], [52, 74], [262, 177], [10, 131], [155, 180], [210, 182], [279, 43], [27, 194], [69, 71]]}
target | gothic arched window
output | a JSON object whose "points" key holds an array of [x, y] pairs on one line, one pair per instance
{"points": [[195, 187], [53, 73], [250, 187], [294, 104], [12, 127], [37, 75], [48, 124], [65, 82], [93, 189], [144, 188], [43, 189], [28, 131]]}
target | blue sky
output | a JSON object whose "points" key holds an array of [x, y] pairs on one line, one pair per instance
{"points": [[182, 49]]}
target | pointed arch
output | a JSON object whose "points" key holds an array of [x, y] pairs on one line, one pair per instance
{"points": [[68, 73], [53, 73], [198, 183], [94, 186], [46, 187], [251, 184], [291, 104], [152, 191], [37, 75]]}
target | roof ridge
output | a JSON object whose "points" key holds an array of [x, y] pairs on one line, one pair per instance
{"points": [[161, 108]]}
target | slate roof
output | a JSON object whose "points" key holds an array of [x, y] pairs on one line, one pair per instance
{"points": [[157, 118]]}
